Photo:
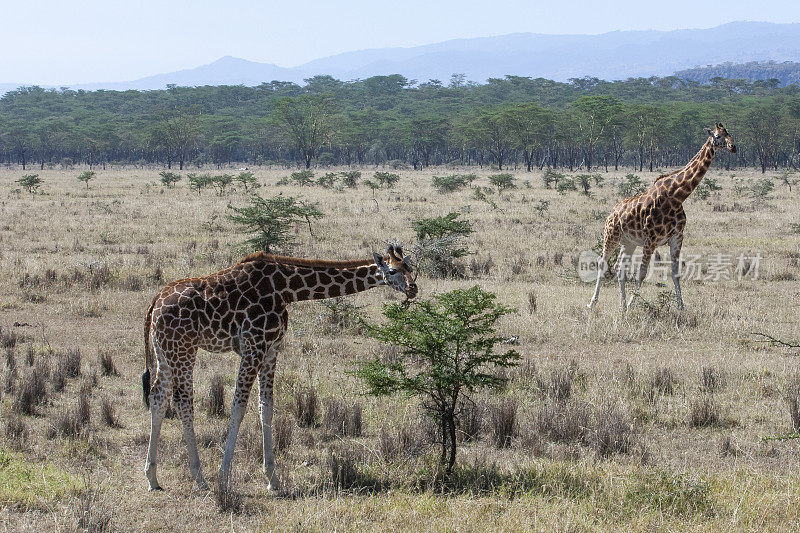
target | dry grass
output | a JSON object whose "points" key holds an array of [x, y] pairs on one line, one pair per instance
{"points": [[650, 421]]}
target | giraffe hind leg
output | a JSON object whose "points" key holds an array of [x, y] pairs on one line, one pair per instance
{"points": [[183, 398], [159, 396], [265, 406]]}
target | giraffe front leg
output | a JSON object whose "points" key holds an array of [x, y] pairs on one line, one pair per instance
{"points": [[247, 375], [675, 244], [623, 262], [609, 245], [647, 253], [265, 380]]}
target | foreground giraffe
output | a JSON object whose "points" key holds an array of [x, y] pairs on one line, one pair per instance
{"points": [[656, 217], [242, 308]]}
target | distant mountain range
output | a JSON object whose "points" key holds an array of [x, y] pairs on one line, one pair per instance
{"points": [[609, 56]]}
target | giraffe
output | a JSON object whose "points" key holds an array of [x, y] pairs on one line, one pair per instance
{"points": [[656, 217], [242, 308]]}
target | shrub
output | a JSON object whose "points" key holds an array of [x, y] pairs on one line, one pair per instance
{"points": [[612, 433], [247, 180], [559, 384], [703, 412], [342, 419], [447, 184], [199, 181], [350, 178], [542, 206], [440, 243], [73, 423], [270, 220], [32, 391], [220, 182], [386, 179], [31, 182], [503, 417], [282, 433], [502, 182], [551, 178], [584, 181], [169, 178], [304, 178], [109, 414], [447, 350], [566, 184], [631, 185], [216, 396], [306, 406], [106, 361], [343, 314], [564, 422], [706, 187], [86, 177], [760, 189], [328, 180]]}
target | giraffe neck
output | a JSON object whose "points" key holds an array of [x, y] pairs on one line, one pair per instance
{"points": [[317, 283], [686, 180]]}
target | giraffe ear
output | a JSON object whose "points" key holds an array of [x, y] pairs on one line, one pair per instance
{"points": [[710, 132], [379, 260]]}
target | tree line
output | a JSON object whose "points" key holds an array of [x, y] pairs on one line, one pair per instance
{"points": [[513, 121]]}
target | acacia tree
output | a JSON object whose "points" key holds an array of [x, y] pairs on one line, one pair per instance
{"points": [[307, 119], [529, 127], [270, 220], [447, 352], [490, 131], [177, 135], [595, 114]]}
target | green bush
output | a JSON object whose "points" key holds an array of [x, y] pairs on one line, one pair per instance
{"points": [[86, 177], [270, 220], [446, 351], [31, 182], [386, 179], [304, 178], [502, 182], [350, 178], [440, 242], [631, 185], [446, 184], [247, 180], [169, 178]]}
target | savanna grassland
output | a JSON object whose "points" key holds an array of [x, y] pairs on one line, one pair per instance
{"points": [[654, 420]]}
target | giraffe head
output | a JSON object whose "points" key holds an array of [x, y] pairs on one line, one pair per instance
{"points": [[396, 270], [721, 138]]}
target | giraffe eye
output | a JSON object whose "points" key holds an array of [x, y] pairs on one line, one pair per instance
{"points": [[392, 271]]}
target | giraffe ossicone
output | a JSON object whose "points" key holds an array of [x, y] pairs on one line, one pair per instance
{"points": [[656, 217], [242, 308]]}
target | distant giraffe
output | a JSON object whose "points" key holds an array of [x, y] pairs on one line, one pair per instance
{"points": [[656, 217], [242, 308]]}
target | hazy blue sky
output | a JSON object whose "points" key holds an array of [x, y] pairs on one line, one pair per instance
{"points": [[61, 42]]}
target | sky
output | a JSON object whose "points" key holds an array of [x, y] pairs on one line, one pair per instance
{"points": [[56, 42]]}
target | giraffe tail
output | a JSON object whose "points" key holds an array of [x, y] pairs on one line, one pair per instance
{"points": [[148, 355]]}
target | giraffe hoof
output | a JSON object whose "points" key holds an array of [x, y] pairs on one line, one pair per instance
{"points": [[157, 488]]}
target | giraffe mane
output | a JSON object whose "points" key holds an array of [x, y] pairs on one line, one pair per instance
{"points": [[299, 261]]}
